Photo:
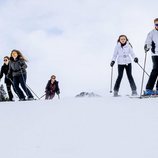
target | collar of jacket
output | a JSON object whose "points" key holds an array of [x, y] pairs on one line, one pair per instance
{"points": [[12, 59], [124, 45]]}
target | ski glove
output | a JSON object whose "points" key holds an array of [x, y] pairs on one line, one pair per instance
{"points": [[136, 60], [112, 63], [146, 48], [8, 76], [58, 92]]}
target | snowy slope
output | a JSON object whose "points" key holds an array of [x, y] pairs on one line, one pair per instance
{"points": [[104, 127]]}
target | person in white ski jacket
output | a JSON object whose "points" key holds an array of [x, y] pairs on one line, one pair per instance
{"points": [[123, 53], [152, 43]]}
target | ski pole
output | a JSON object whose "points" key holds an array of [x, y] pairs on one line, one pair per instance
{"points": [[111, 79], [32, 91], [143, 69], [28, 86], [58, 96], [42, 96], [143, 74]]}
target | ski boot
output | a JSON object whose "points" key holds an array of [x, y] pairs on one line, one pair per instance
{"points": [[149, 92], [156, 92], [134, 93], [116, 94]]}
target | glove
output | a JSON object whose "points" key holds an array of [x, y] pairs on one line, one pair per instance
{"points": [[146, 48], [112, 63], [8, 76], [58, 92], [136, 60]]}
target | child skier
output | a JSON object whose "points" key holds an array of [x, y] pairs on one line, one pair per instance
{"points": [[52, 88], [123, 52], [152, 43]]}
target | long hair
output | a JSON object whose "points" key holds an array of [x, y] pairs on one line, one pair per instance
{"points": [[126, 39], [20, 55]]}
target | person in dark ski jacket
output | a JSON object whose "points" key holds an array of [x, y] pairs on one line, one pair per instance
{"points": [[17, 67], [52, 87], [8, 81], [123, 52], [152, 43]]}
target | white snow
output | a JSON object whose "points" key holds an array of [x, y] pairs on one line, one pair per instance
{"points": [[104, 127]]}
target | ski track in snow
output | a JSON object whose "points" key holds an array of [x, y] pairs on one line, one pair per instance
{"points": [[80, 128]]}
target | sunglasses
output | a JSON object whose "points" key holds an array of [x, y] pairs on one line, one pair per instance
{"points": [[53, 78], [156, 25], [5, 60]]}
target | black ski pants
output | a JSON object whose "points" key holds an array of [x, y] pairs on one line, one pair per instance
{"points": [[128, 69], [153, 75], [21, 79]]}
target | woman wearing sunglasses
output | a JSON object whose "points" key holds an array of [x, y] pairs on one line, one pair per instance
{"points": [[8, 81]]}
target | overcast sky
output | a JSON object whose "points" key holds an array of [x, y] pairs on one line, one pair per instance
{"points": [[73, 39]]}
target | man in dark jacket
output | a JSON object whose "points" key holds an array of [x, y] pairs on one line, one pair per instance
{"points": [[52, 88], [8, 81]]}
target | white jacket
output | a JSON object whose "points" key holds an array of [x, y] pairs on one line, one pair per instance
{"points": [[152, 42], [123, 54]]}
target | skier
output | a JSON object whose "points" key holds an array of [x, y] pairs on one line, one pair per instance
{"points": [[152, 43], [8, 81], [52, 87], [17, 67], [123, 52]]}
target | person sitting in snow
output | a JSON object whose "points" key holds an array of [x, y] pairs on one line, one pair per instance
{"points": [[123, 52], [52, 87]]}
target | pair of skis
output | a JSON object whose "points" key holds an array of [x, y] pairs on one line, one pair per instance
{"points": [[144, 96]]}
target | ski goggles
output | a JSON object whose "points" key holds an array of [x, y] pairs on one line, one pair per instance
{"points": [[156, 25]]}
